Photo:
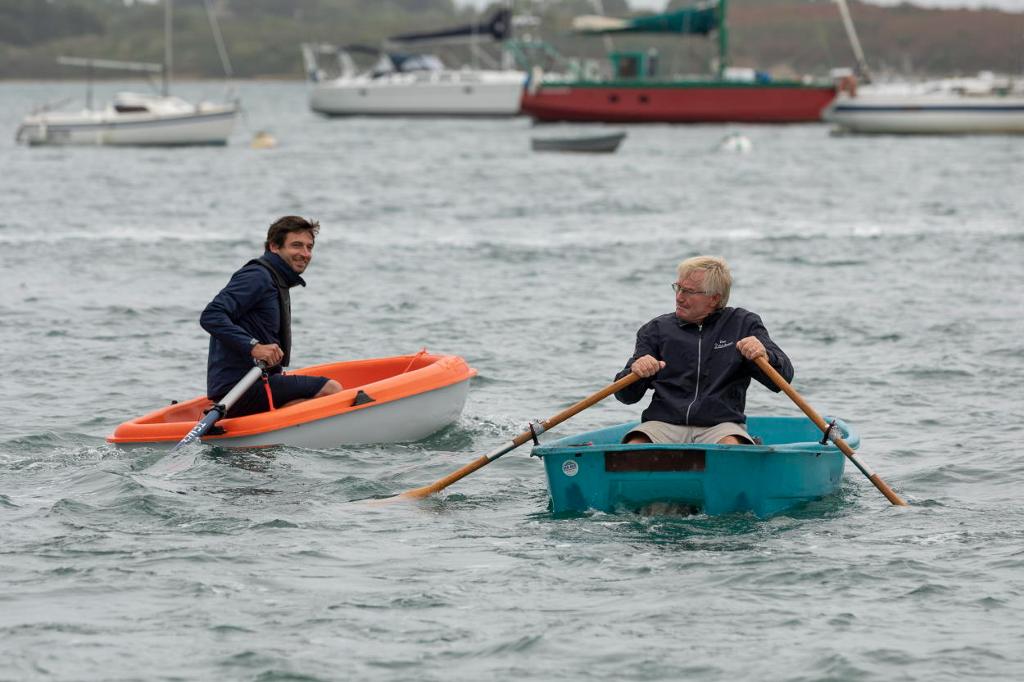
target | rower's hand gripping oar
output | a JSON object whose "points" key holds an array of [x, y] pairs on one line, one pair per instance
{"points": [[762, 362], [218, 411], [525, 437]]}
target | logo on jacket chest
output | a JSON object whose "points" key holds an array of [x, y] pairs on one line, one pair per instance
{"points": [[722, 343]]}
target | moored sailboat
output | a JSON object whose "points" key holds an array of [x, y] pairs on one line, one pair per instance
{"points": [[933, 108], [404, 83], [134, 119], [984, 104]]}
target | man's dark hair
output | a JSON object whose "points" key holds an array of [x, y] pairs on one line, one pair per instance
{"points": [[290, 223]]}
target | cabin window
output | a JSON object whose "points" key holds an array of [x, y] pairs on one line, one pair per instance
{"points": [[130, 109], [629, 67], [652, 63]]}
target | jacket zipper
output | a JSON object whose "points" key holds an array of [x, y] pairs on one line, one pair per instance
{"points": [[696, 390]]}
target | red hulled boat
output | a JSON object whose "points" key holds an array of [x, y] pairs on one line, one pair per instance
{"points": [[637, 95]]}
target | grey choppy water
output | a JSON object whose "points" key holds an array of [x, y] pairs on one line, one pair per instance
{"points": [[889, 269]]}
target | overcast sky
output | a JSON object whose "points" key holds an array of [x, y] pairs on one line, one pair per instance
{"points": [[1009, 5]]}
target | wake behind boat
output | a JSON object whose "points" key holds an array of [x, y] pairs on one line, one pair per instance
{"points": [[385, 400], [404, 83], [790, 466]]}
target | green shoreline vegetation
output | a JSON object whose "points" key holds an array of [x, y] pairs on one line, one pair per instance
{"points": [[783, 37]]}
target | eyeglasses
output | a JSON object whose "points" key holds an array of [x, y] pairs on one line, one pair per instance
{"points": [[683, 291]]}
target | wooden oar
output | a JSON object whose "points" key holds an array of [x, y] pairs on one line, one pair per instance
{"points": [[762, 362], [524, 437]]}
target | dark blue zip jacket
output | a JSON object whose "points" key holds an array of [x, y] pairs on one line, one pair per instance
{"points": [[705, 378], [247, 308]]}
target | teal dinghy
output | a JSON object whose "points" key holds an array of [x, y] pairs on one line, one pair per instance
{"points": [[789, 466]]}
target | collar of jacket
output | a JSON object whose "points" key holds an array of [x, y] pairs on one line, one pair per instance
{"points": [[291, 277], [712, 316]]}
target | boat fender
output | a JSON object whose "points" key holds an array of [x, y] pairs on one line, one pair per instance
{"points": [[534, 79], [848, 84], [828, 434], [362, 398]]}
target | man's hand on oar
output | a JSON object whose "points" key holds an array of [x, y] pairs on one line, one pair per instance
{"points": [[525, 437], [762, 363]]}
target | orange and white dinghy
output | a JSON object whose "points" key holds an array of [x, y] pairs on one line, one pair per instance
{"points": [[397, 399]]}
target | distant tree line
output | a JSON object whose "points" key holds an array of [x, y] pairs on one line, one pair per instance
{"points": [[784, 37]]}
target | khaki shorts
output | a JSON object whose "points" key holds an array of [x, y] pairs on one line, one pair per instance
{"points": [[663, 432]]}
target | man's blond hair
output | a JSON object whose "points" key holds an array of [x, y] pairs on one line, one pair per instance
{"points": [[717, 278]]}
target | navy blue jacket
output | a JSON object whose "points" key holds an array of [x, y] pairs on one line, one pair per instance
{"points": [[247, 308], [705, 378]]}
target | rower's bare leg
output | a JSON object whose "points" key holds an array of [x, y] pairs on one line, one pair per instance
{"points": [[330, 388], [638, 437]]}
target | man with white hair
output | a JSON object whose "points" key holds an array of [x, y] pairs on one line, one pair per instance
{"points": [[699, 361]]}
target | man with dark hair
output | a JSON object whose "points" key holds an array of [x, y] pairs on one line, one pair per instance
{"points": [[250, 321]]}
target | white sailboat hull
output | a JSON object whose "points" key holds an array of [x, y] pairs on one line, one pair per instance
{"points": [[443, 93], [927, 114], [204, 124]]}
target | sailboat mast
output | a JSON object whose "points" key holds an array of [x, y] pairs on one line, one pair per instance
{"points": [[168, 51], [723, 40], [218, 39], [851, 33]]}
